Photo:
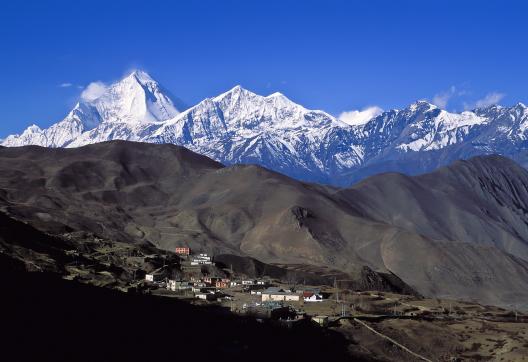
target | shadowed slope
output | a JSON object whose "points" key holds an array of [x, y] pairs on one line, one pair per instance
{"points": [[452, 233]]}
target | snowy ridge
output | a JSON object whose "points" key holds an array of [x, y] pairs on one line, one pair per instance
{"points": [[239, 126], [135, 99]]}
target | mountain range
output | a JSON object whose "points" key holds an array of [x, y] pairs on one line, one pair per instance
{"points": [[240, 126], [459, 232]]}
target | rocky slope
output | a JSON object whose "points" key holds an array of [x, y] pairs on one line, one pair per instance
{"points": [[459, 232]]}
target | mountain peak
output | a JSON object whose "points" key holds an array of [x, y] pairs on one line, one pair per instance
{"points": [[423, 102], [237, 91], [276, 94], [137, 98], [134, 100], [421, 105], [33, 129], [141, 76]]}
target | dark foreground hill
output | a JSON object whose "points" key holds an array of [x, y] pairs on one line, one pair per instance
{"points": [[460, 232], [49, 319]]}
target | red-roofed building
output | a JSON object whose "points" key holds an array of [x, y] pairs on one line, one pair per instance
{"points": [[183, 251], [222, 284]]}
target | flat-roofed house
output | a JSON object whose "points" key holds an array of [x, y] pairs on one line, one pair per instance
{"points": [[206, 296], [157, 275], [175, 285], [278, 294]]}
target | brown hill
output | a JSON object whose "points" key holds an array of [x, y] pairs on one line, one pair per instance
{"points": [[459, 232]]}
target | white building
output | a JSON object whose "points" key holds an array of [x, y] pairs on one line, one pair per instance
{"points": [[206, 296], [175, 285], [312, 297], [200, 262], [201, 259], [156, 276], [172, 284], [278, 295]]}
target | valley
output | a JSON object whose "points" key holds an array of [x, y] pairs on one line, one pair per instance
{"points": [[362, 324], [443, 280], [315, 181]]}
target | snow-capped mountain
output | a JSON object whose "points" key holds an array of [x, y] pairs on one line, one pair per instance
{"points": [[423, 137], [240, 126], [134, 100]]}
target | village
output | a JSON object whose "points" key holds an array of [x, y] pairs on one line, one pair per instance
{"points": [[359, 315], [263, 298], [379, 320], [197, 279]]}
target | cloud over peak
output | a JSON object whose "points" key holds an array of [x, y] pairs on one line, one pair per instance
{"points": [[441, 99], [93, 91], [490, 99], [358, 117]]}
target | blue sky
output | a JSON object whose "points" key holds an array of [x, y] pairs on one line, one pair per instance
{"points": [[332, 55]]}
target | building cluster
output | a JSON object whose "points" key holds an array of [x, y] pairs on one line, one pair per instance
{"points": [[206, 288], [211, 288], [277, 303], [201, 259], [273, 300], [192, 258], [278, 294]]}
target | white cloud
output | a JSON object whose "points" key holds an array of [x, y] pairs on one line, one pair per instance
{"points": [[358, 117], [441, 99], [65, 85], [490, 99], [93, 91]]}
